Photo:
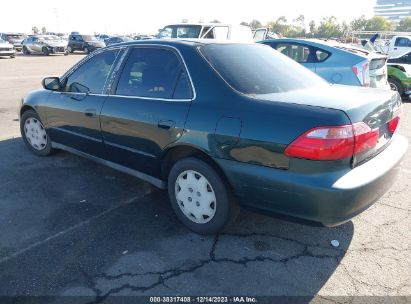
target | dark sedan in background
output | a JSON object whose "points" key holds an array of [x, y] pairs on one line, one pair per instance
{"points": [[221, 126], [117, 39]]}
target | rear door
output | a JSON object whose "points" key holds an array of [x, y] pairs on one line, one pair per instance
{"points": [[147, 109]]}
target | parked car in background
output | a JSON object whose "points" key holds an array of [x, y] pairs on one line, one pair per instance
{"points": [[219, 31], [396, 46], [102, 37], [84, 43], [403, 58], [117, 39], [221, 125], [143, 37], [7, 49], [44, 44], [399, 78], [14, 38], [263, 33], [336, 63]]}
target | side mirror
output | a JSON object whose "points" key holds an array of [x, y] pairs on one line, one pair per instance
{"points": [[51, 83]]}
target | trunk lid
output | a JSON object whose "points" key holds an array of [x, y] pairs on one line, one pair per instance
{"points": [[374, 107]]}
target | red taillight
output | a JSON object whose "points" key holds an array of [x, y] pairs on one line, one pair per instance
{"points": [[333, 143], [362, 71], [393, 124]]}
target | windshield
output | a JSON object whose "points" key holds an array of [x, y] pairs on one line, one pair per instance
{"points": [[15, 36], [258, 69], [180, 31], [89, 38]]}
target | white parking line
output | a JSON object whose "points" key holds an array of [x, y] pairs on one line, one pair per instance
{"points": [[63, 232]]}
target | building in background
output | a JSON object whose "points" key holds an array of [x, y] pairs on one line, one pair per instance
{"points": [[393, 9]]}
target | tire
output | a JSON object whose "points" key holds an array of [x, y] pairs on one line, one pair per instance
{"points": [[70, 49], [13, 56], [212, 207], [86, 50], [396, 85], [33, 137], [46, 51], [25, 51], [66, 53]]}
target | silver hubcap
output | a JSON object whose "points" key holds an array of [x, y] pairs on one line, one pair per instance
{"points": [[35, 133], [393, 87], [195, 197]]}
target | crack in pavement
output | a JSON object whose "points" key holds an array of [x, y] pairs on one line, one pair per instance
{"points": [[168, 274]]}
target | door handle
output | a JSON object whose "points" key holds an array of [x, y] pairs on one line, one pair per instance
{"points": [[395, 48], [166, 124], [90, 113]]}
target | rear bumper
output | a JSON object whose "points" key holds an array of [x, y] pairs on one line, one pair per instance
{"points": [[329, 198]]}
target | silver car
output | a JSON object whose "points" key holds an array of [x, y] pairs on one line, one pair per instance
{"points": [[44, 44], [7, 49]]}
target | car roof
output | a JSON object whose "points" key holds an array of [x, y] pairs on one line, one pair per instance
{"points": [[177, 42]]}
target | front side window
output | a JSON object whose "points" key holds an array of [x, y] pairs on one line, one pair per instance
{"points": [[91, 75], [153, 72], [258, 69]]}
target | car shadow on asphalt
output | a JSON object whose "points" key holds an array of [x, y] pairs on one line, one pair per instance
{"points": [[73, 227]]}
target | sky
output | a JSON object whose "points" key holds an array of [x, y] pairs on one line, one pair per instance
{"points": [[128, 16]]}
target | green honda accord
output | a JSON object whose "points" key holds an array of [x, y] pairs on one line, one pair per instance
{"points": [[223, 126]]}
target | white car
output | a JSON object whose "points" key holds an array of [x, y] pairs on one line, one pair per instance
{"points": [[7, 49], [219, 31]]}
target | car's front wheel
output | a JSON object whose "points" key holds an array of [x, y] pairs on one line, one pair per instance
{"points": [[25, 51], [200, 198], [46, 51], [70, 49], [34, 134], [86, 50]]}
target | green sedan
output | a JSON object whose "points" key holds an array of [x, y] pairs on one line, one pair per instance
{"points": [[399, 78]]}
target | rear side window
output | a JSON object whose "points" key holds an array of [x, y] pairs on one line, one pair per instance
{"points": [[321, 55], [91, 75], [258, 69], [153, 72], [297, 52], [403, 42]]}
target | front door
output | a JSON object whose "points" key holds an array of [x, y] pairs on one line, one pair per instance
{"points": [[148, 108], [73, 114]]}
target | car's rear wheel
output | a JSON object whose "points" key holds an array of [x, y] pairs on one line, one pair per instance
{"points": [[70, 49], [86, 50], [199, 197], [396, 85], [13, 56], [34, 134]]}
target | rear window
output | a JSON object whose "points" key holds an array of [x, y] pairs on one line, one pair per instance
{"points": [[258, 69]]}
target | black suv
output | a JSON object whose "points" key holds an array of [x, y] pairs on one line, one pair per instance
{"points": [[84, 43]]}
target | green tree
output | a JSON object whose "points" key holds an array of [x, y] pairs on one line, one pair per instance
{"points": [[280, 26], [378, 23], [255, 24], [43, 30], [329, 28], [313, 29], [404, 25], [35, 30], [359, 24], [297, 28], [244, 23]]}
